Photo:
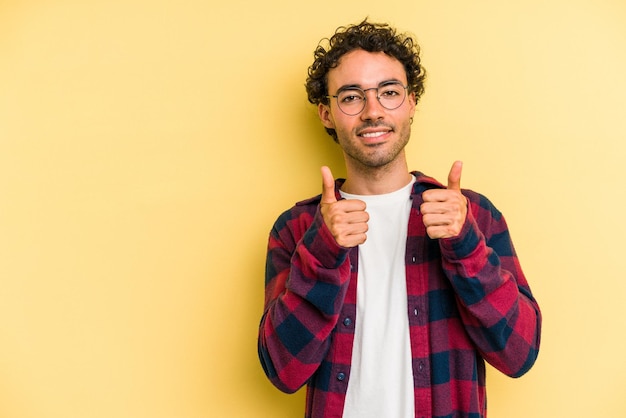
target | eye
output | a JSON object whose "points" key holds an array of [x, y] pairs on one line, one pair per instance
{"points": [[350, 96], [390, 91]]}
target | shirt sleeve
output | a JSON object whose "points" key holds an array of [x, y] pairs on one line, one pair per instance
{"points": [[307, 275], [497, 307]]}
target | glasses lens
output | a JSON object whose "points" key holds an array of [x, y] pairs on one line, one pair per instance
{"points": [[391, 96], [351, 101]]}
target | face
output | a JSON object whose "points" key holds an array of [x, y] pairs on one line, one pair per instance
{"points": [[377, 136]]}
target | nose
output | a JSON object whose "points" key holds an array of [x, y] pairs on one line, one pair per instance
{"points": [[373, 110]]}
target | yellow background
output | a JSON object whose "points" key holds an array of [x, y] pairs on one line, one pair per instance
{"points": [[146, 147]]}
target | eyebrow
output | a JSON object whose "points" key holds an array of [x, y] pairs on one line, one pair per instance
{"points": [[360, 87]]}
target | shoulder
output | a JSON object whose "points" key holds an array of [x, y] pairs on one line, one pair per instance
{"points": [[299, 217], [308, 207], [482, 206]]}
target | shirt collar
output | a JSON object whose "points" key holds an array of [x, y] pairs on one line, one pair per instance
{"points": [[422, 183]]}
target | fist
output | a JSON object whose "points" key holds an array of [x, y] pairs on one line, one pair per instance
{"points": [[346, 219], [444, 210]]}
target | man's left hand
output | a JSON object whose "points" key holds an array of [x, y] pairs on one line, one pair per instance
{"points": [[444, 210]]}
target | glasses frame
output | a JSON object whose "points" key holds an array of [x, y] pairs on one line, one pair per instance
{"points": [[383, 85]]}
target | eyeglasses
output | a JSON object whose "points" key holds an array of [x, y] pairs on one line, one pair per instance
{"points": [[351, 100]]}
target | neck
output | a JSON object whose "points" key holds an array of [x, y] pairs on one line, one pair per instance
{"points": [[376, 180]]}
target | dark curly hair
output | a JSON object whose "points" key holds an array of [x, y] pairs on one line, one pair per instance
{"points": [[371, 37]]}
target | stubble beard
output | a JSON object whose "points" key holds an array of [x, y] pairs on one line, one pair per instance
{"points": [[377, 156]]}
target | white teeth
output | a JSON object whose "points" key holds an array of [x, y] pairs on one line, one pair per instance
{"points": [[374, 134]]}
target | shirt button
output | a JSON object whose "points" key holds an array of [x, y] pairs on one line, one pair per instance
{"points": [[416, 311], [421, 367], [341, 376], [347, 322], [413, 259]]}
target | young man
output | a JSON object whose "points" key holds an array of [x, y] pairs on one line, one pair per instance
{"points": [[386, 294]]}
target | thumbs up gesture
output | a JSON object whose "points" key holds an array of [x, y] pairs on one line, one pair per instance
{"points": [[444, 210], [346, 219]]}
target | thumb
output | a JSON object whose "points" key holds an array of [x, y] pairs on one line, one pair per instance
{"points": [[454, 178], [328, 186]]}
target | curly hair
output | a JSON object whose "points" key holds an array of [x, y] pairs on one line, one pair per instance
{"points": [[371, 37]]}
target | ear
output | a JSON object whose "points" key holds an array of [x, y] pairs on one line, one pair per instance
{"points": [[323, 112], [412, 103]]}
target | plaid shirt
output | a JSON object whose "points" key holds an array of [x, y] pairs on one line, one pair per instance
{"points": [[468, 301]]}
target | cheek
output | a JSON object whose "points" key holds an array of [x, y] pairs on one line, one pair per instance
{"points": [[343, 122], [343, 127]]}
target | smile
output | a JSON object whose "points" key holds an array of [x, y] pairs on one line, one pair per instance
{"points": [[374, 134]]}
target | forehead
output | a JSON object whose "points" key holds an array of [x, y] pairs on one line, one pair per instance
{"points": [[365, 69]]}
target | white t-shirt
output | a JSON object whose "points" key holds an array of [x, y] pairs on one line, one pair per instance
{"points": [[381, 375]]}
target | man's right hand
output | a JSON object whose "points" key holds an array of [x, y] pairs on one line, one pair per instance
{"points": [[346, 219]]}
